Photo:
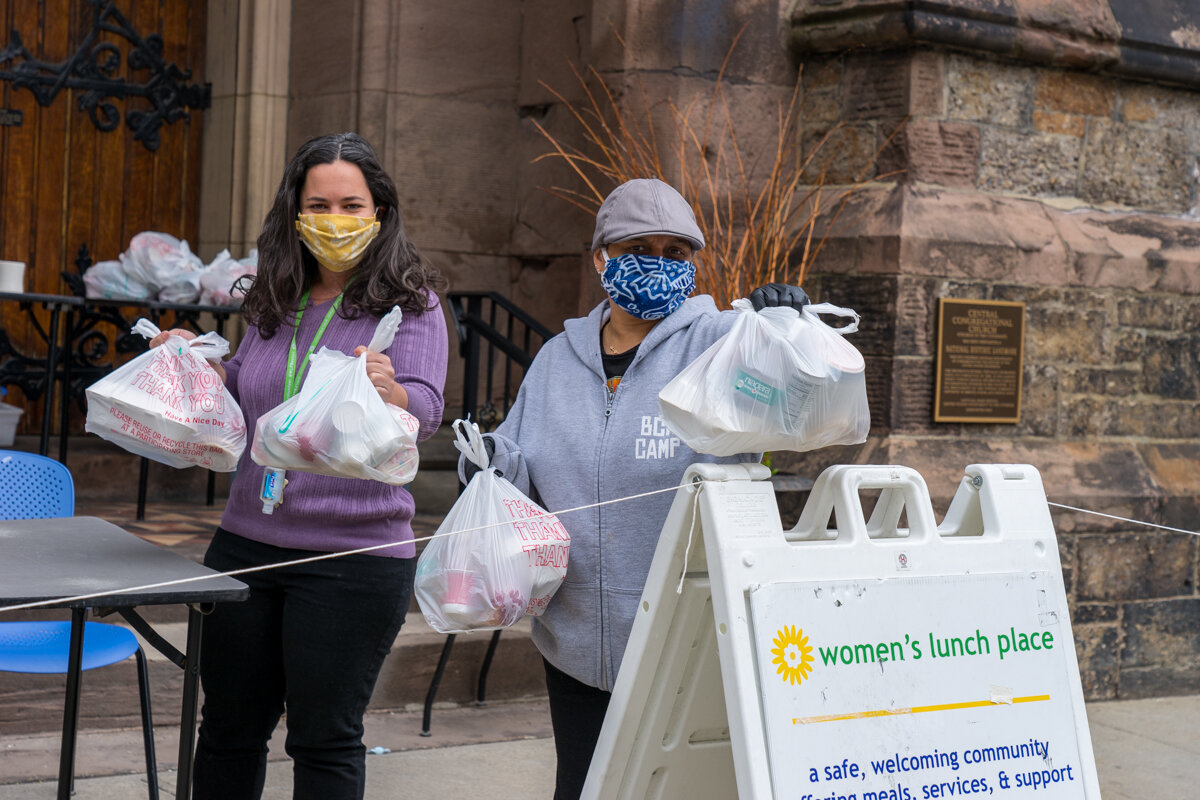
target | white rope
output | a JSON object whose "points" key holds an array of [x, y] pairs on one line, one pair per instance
{"points": [[58, 601], [1124, 519], [691, 532]]}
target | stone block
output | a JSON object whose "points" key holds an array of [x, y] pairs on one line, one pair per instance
{"points": [[1146, 311], [1083, 417], [1127, 346], [1093, 613], [1134, 251], [458, 49], [877, 86], [1039, 402], [591, 293], [1096, 647], [841, 154], [1159, 106], [943, 153], [927, 80], [1139, 682], [968, 236], [452, 161], [1136, 566], [1057, 122], [1085, 19], [1173, 469], [548, 288], [1171, 366], [217, 175], [1179, 419], [1132, 165], [1161, 637], [1101, 476], [1066, 558], [318, 114], [912, 396], [1073, 92], [879, 374], [323, 62], [694, 38], [1188, 309], [1056, 334], [821, 91], [546, 224], [874, 298], [916, 310], [554, 35], [988, 91], [1040, 164], [865, 237], [1114, 382], [221, 48]]}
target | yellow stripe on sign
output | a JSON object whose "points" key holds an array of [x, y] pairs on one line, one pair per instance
{"points": [[892, 712]]}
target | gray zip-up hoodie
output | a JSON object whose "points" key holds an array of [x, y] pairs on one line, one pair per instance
{"points": [[567, 444]]}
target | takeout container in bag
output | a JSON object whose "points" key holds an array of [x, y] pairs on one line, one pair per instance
{"points": [[496, 557], [170, 405], [778, 380], [338, 425]]}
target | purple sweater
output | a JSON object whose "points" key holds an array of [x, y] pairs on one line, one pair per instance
{"points": [[318, 512]]}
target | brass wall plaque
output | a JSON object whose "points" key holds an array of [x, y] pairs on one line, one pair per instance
{"points": [[980, 350]]}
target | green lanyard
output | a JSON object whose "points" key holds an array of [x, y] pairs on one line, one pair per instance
{"points": [[291, 380]]}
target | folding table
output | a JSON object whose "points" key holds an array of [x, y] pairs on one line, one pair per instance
{"points": [[61, 559]]}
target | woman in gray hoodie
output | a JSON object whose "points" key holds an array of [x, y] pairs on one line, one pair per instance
{"points": [[585, 429]]}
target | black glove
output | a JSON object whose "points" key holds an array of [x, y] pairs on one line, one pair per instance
{"points": [[470, 467], [779, 294]]}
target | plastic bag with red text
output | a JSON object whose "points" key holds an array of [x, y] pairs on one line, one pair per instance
{"points": [[170, 405], [496, 557]]}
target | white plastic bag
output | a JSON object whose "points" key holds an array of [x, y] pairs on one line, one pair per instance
{"points": [[165, 264], [218, 278], [170, 405], [109, 280], [337, 424], [779, 380], [508, 562]]}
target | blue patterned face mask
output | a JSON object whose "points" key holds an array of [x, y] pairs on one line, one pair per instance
{"points": [[648, 287]]}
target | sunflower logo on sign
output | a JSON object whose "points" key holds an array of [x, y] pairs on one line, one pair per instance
{"points": [[792, 654]]}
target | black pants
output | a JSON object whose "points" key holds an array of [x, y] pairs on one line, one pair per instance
{"points": [[309, 640], [576, 714]]}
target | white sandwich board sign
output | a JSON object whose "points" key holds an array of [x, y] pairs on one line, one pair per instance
{"points": [[851, 658]]}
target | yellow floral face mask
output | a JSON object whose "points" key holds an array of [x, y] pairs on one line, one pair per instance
{"points": [[337, 241]]}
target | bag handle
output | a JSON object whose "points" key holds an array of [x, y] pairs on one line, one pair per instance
{"points": [[211, 346], [838, 311], [385, 331], [470, 444]]}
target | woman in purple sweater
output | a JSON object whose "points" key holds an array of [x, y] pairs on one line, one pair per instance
{"points": [[332, 259]]}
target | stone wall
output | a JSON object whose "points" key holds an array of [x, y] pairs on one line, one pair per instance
{"points": [[1047, 154], [1063, 182]]}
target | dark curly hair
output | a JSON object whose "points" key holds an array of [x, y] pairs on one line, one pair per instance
{"points": [[391, 273]]}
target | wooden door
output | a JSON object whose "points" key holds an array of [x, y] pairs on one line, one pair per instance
{"points": [[64, 182]]}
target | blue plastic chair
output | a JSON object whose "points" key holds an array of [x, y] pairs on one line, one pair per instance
{"points": [[36, 487]]}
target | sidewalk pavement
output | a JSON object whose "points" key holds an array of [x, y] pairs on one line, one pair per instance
{"points": [[1144, 748]]}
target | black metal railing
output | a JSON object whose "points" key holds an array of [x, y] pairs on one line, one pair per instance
{"points": [[497, 341]]}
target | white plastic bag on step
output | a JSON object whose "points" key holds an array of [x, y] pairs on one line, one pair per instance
{"points": [[337, 424], [778, 380], [497, 555], [170, 405]]}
